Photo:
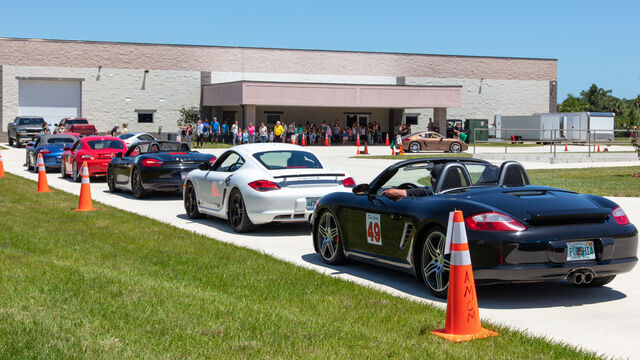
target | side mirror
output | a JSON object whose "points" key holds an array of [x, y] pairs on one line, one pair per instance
{"points": [[119, 154], [66, 148], [204, 166], [362, 189]]}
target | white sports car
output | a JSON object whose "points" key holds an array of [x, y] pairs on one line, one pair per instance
{"points": [[261, 183], [132, 137]]}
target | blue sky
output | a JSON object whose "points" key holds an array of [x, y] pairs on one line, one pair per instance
{"points": [[594, 41]]}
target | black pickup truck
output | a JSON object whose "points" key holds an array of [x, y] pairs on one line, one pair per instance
{"points": [[24, 128]]}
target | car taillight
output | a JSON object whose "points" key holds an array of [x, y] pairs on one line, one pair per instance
{"points": [[212, 160], [349, 182], [45, 151], [620, 216], [86, 157], [264, 185], [493, 221], [151, 162]]}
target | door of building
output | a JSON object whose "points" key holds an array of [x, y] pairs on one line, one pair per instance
{"points": [[360, 119]]}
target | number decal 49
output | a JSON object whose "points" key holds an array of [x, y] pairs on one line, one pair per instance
{"points": [[374, 233]]}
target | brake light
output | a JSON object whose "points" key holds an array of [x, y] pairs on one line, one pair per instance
{"points": [[264, 185], [493, 221], [86, 157], [349, 182], [45, 151], [212, 160], [620, 216], [151, 162]]}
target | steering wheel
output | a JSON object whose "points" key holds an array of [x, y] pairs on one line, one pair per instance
{"points": [[407, 186]]}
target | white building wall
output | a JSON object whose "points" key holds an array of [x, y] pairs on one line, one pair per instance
{"points": [[111, 96]]}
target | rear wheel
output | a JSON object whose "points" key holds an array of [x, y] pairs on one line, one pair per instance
{"points": [[329, 240], [599, 281], [136, 185], [238, 217], [62, 169], [414, 147], [10, 141], [191, 202], [111, 181], [455, 147], [75, 174], [434, 264]]}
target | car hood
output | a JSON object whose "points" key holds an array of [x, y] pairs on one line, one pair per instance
{"points": [[30, 127]]}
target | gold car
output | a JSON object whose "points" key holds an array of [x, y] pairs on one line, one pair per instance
{"points": [[431, 141]]}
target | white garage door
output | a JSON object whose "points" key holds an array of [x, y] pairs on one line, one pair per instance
{"points": [[51, 99]]}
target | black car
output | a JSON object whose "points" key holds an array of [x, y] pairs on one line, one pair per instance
{"points": [[516, 231], [153, 166]]}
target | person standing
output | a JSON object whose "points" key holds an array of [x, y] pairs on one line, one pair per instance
{"points": [[124, 129], [225, 132], [206, 129], [234, 132], [199, 133], [251, 131], [187, 134], [114, 131], [431, 126], [263, 133], [277, 132], [215, 130]]}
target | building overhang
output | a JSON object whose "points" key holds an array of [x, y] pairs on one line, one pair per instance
{"points": [[331, 95]]}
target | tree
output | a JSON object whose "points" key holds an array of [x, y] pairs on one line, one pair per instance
{"points": [[573, 104], [597, 99], [189, 115]]}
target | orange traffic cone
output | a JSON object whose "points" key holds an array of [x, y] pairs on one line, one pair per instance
{"points": [[293, 139], [326, 140], [358, 150], [366, 150], [43, 185], [85, 203], [401, 150], [463, 318], [304, 142], [1, 165], [386, 142], [598, 148], [565, 147], [393, 151], [358, 141]]}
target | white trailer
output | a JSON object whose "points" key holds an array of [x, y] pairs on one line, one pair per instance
{"points": [[549, 126], [576, 124]]}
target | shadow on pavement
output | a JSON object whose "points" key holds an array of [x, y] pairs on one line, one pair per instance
{"points": [[268, 230], [155, 196]]}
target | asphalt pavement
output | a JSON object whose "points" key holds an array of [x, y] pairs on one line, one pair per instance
{"points": [[598, 319]]}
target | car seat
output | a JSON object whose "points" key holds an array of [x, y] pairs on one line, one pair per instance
{"points": [[513, 174], [451, 179]]}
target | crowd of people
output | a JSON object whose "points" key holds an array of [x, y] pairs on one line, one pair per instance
{"points": [[222, 132]]}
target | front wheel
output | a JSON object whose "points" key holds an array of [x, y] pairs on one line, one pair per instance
{"points": [[111, 181], [10, 141], [434, 264], [455, 147], [238, 217], [191, 203], [329, 240], [414, 147]]}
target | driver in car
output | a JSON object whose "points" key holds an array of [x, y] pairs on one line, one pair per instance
{"points": [[398, 194]]}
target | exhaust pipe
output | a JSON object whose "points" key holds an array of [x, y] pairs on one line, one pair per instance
{"points": [[577, 278], [581, 276], [588, 277]]}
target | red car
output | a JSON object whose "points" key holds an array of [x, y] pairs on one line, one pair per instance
{"points": [[97, 151]]}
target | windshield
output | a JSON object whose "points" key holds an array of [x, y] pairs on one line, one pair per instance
{"points": [[285, 159], [30, 121], [105, 144], [77, 121], [125, 136], [61, 140]]}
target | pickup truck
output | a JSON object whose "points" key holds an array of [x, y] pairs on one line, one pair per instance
{"points": [[23, 129], [75, 125]]}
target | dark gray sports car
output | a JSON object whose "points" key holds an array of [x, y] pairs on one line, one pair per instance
{"points": [[517, 232]]}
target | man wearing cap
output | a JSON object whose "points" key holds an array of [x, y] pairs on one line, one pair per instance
{"points": [[399, 194], [114, 131], [215, 130]]}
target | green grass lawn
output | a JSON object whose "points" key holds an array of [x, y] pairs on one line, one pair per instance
{"points": [[610, 181], [110, 284], [410, 156]]}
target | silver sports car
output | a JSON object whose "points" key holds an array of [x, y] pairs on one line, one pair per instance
{"points": [[261, 183]]}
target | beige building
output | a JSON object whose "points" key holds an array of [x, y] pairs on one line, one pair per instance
{"points": [[145, 85]]}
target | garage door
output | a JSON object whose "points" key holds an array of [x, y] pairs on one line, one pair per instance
{"points": [[51, 99]]}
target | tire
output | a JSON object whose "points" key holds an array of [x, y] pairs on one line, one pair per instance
{"points": [[414, 147], [237, 213], [328, 239], [28, 162], [111, 181], [10, 141], [599, 281], [18, 142], [455, 147], [434, 265], [191, 203], [75, 174], [136, 185], [62, 169]]}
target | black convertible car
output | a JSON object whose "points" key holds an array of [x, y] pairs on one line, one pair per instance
{"points": [[153, 166], [517, 232]]}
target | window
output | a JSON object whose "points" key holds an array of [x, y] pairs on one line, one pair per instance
{"points": [[273, 118], [146, 137], [275, 160], [229, 163], [411, 119], [105, 144], [145, 117]]}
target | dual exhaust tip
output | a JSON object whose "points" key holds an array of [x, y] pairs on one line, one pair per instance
{"points": [[581, 276]]}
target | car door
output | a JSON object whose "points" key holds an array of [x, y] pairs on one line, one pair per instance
{"points": [[213, 185], [124, 166], [67, 157]]}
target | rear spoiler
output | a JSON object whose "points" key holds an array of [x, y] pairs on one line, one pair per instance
{"points": [[305, 175]]}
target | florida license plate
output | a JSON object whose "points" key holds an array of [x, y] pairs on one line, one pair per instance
{"points": [[311, 203], [580, 250]]}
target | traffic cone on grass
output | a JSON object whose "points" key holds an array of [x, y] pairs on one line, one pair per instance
{"points": [[85, 203], [463, 318], [1, 166], [43, 185]]}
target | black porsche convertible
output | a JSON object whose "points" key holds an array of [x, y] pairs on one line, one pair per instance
{"points": [[153, 166], [517, 232]]}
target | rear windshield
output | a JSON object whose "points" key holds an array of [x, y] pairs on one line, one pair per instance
{"points": [[276, 160], [105, 144], [155, 147], [61, 140], [30, 121], [77, 121]]}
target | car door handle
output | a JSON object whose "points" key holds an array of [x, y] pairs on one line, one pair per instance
{"points": [[396, 216]]}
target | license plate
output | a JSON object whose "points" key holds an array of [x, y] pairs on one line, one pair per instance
{"points": [[311, 203], [580, 250]]}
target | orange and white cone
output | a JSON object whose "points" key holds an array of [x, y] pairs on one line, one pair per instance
{"points": [[463, 318], [566, 148], [304, 142], [1, 165], [43, 185], [85, 203], [366, 150], [326, 140], [386, 142]]}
